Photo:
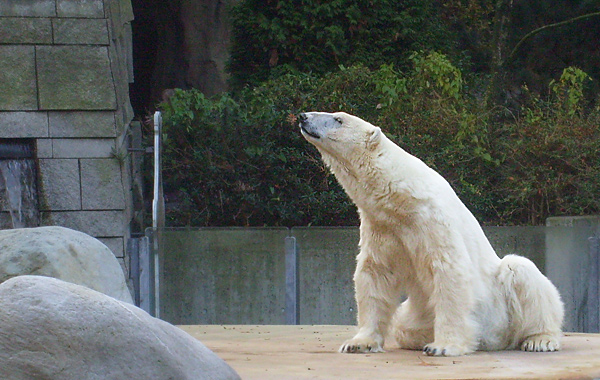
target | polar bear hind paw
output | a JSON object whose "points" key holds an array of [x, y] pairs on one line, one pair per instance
{"points": [[433, 349], [354, 346], [540, 343]]}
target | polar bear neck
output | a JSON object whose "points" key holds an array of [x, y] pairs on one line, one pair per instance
{"points": [[380, 172]]}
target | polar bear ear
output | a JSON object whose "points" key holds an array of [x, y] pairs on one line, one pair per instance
{"points": [[375, 136]]}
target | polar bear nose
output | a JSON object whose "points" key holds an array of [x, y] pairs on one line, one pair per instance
{"points": [[302, 117]]}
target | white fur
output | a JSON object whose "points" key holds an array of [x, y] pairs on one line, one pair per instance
{"points": [[418, 239]]}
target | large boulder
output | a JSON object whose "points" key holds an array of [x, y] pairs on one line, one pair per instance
{"points": [[65, 254], [51, 330]]}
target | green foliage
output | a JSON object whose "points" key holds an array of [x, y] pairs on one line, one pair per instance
{"points": [[433, 93], [316, 36], [434, 74], [513, 156], [390, 86], [568, 90], [551, 165], [242, 162], [550, 170], [239, 160]]}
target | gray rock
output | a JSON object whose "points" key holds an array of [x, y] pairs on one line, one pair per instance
{"points": [[54, 330], [74, 77], [23, 124], [79, 8], [17, 78], [82, 124], [60, 182], [85, 148], [94, 223], [43, 148], [28, 8], [80, 31], [65, 254], [15, 30], [101, 185]]}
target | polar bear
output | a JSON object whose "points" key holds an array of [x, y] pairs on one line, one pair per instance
{"points": [[417, 239]]}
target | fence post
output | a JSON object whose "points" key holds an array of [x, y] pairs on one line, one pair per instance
{"points": [[593, 295], [291, 281], [146, 276], [158, 210], [133, 250]]}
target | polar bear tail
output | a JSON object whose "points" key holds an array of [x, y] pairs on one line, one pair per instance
{"points": [[534, 305]]}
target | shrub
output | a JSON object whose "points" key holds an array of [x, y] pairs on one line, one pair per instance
{"points": [[568, 90], [243, 162], [239, 160], [551, 165]]}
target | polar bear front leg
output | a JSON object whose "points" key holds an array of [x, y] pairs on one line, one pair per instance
{"points": [[375, 302], [452, 300]]}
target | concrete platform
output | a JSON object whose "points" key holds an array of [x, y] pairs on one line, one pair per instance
{"points": [[310, 352]]}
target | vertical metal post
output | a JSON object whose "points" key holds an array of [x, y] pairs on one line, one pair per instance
{"points": [[291, 281], [133, 249], [593, 296], [158, 208], [146, 275]]}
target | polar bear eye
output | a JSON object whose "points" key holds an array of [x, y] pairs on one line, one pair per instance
{"points": [[338, 119]]}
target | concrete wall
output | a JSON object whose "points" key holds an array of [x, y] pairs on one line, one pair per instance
{"points": [[64, 74], [223, 276], [327, 259], [569, 264], [237, 276]]}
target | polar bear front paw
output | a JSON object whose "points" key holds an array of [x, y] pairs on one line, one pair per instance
{"points": [[361, 345], [540, 343], [435, 349]]}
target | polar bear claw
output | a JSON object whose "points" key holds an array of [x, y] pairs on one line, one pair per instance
{"points": [[541, 343], [434, 349], [352, 347]]}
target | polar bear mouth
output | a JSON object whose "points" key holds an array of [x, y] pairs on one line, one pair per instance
{"points": [[307, 132]]}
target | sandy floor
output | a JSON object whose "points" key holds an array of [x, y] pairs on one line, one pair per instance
{"points": [[310, 352]]}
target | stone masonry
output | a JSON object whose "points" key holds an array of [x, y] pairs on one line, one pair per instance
{"points": [[65, 70]]}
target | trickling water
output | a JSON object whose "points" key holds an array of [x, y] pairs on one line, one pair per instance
{"points": [[18, 188]]}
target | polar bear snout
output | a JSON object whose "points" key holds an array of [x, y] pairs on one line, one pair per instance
{"points": [[306, 127], [316, 125]]}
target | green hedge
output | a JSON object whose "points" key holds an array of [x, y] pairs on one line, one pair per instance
{"points": [[239, 160]]}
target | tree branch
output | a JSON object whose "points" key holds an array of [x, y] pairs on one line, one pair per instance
{"points": [[538, 30]]}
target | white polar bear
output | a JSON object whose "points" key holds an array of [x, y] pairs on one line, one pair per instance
{"points": [[418, 239]]}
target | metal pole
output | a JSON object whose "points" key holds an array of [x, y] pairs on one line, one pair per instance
{"points": [[291, 281], [133, 247], [593, 311], [146, 284], [158, 208]]}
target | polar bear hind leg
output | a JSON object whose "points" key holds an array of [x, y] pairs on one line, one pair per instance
{"points": [[412, 325], [534, 304]]}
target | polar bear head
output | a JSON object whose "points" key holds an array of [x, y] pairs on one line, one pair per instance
{"points": [[339, 134]]}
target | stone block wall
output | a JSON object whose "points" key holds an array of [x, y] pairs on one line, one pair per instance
{"points": [[64, 73]]}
